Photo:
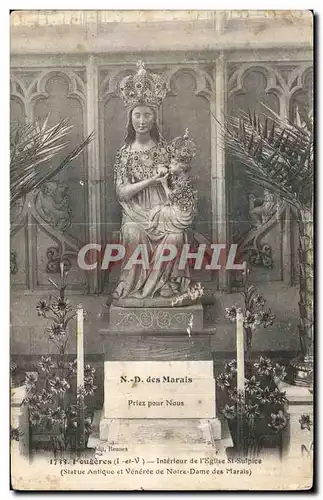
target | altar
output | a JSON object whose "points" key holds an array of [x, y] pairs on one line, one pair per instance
{"points": [[158, 379]]}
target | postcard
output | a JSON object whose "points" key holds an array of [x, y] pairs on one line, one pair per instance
{"points": [[161, 258]]}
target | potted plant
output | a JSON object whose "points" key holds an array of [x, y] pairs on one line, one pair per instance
{"points": [[55, 407], [257, 418]]}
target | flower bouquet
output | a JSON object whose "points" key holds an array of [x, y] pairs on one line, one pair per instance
{"points": [[56, 407], [260, 414], [254, 314]]}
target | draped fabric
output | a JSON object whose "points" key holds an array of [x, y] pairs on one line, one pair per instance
{"points": [[148, 220]]}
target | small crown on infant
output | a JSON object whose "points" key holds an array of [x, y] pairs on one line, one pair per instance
{"points": [[183, 148]]}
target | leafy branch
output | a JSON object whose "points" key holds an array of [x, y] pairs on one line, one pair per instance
{"points": [[33, 147], [277, 155]]}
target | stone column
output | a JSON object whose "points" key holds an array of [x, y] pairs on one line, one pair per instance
{"points": [[218, 164], [94, 169]]}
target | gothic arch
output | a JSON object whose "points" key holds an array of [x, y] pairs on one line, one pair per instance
{"points": [[76, 86], [275, 82], [204, 83], [298, 76]]}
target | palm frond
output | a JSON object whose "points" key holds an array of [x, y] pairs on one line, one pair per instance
{"points": [[33, 150], [277, 155]]}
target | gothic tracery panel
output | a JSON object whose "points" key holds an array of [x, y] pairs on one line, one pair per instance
{"points": [[287, 90], [301, 102], [17, 110], [62, 103], [248, 86], [59, 208]]}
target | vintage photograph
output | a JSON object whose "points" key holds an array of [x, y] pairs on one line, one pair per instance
{"points": [[161, 250]]}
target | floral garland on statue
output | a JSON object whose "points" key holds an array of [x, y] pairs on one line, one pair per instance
{"points": [[183, 194]]}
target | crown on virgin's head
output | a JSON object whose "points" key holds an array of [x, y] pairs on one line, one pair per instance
{"points": [[183, 148], [143, 88]]}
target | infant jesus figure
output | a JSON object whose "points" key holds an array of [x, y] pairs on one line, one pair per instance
{"points": [[178, 213]]}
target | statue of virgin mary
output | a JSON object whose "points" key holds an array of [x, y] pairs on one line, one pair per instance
{"points": [[140, 171]]}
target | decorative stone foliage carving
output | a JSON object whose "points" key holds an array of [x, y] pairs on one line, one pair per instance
{"points": [[262, 218], [54, 258], [151, 319]]}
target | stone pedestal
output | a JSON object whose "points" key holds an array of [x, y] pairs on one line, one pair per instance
{"points": [[300, 402], [134, 319], [20, 420], [159, 384], [174, 399]]}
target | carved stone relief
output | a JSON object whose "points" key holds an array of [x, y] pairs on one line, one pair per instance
{"points": [[261, 210], [283, 84], [153, 319], [53, 204], [13, 262]]}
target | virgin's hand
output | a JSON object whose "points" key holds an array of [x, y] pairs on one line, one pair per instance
{"points": [[157, 179], [162, 174]]}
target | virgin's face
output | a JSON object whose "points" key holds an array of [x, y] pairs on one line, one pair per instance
{"points": [[142, 118]]}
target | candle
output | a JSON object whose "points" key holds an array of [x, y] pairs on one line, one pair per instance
{"points": [[240, 352], [61, 265], [80, 347], [244, 269]]}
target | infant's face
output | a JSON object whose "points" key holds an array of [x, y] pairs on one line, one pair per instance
{"points": [[175, 167], [161, 169]]}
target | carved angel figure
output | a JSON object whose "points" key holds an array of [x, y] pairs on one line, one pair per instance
{"points": [[52, 204]]}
